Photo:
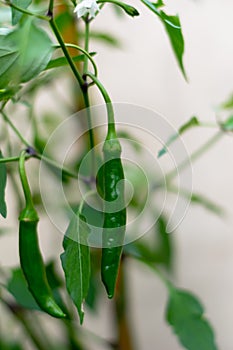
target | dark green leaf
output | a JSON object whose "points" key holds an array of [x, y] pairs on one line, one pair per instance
{"points": [[159, 4], [76, 261], [193, 122], [130, 10], [16, 15], [8, 92], [185, 314], [24, 53], [3, 178], [173, 29], [62, 61]]}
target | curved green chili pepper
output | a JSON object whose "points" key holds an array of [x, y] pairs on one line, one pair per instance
{"points": [[114, 214], [30, 256]]}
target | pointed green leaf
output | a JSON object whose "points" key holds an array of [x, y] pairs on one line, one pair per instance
{"points": [[193, 122], [24, 53], [3, 178], [76, 261], [185, 314], [16, 15], [130, 10], [173, 28]]}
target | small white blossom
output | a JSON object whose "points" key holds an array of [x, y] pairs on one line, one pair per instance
{"points": [[87, 7]]}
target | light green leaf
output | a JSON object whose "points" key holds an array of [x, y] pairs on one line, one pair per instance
{"points": [[76, 261], [130, 10], [173, 28], [228, 104], [3, 178], [24, 53], [16, 15], [185, 314], [193, 122], [62, 61], [206, 203], [228, 125]]}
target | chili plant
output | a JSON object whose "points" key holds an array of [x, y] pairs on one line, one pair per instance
{"points": [[41, 43]]}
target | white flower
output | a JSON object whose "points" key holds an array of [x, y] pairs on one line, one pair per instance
{"points": [[87, 7]]}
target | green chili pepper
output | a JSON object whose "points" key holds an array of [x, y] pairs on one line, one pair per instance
{"points": [[114, 213], [30, 256]]}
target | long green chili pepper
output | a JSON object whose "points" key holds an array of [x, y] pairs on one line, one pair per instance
{"points": [[108, 178], [30, 256], [114, 213]]}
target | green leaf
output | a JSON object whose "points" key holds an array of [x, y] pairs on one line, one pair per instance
{"points": [[62, 61], [3, 178], [16, 15], [104, 37], [24, 53], [173, 28], [159, 252], [228, 124], [206, 203], [228, 104], [17, 286], [130, 10], [76, 261], [193, 122], [185, 314]]}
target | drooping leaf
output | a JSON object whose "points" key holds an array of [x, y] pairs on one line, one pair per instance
{"points": [[16, 15], [173, 28], [130, 10], [62, 61], [193, 122], [24, 53], [3, 178], [76, 261], [185, 314]]}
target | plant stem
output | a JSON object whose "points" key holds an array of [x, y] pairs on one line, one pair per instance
{"points": [[29, 13], [20, 315], [16, 131], [24, 180], [85, 52], [124, 335], [87, 101], [9, 160], [110, 111], [63, 47]]}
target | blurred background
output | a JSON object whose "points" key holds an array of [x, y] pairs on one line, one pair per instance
{"points": [[142, 70]]}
